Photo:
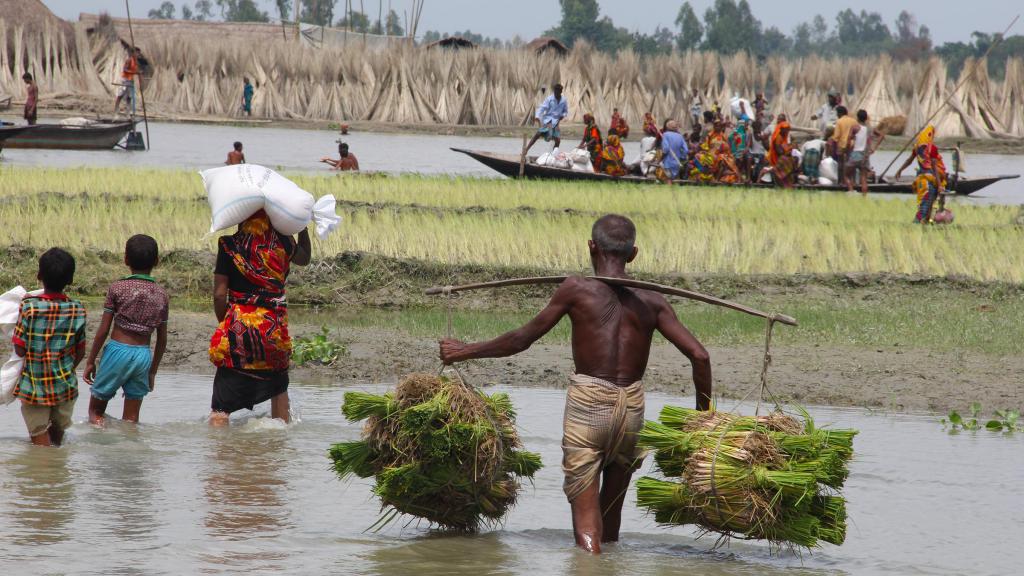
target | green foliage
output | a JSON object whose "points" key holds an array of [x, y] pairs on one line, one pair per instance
{"points": [[731, 27], [241, 11], [770, 477], [580, 22], [164, 12], [437, 450], [1003, 420], [284, 9], [355, 21], [319, 348], [690, 28], [319, 12]]}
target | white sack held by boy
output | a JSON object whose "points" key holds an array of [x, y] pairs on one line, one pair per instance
{"points": [[237, 192], [10, 370]]}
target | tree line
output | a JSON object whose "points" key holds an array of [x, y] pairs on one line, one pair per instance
{"points": [[727, 27]]}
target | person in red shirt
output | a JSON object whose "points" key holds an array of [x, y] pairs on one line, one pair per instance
{"points": [[346, 162], [32, 101], [128, 73], [236, 156]]}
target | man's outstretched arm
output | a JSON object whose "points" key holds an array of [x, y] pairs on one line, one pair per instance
{"points": [[517, 340], [674, 331]]}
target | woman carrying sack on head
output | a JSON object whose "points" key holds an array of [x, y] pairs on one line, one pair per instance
{"points": [[251, 347]]}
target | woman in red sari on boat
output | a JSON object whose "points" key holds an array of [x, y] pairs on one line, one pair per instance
{"points": [[931, 174], [592, 140], [780, 155], [251, 347]]}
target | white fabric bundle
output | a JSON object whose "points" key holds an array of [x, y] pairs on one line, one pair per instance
{"points": [[237, 192], [10, 309], [829, 169]]}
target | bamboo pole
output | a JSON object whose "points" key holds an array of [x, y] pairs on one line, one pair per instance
{"points": [[142, 94], [522, 159], [949, 98], [627, 282]]}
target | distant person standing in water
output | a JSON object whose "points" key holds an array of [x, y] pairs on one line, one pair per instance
{"points": [[552, 111], [236, 156], [247, 93], [347, 160], [32, 101], [251, 347]]}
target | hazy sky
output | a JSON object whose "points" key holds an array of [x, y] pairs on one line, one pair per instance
{"points": [[948, 21]]}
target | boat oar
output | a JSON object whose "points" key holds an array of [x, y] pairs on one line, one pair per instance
{"points": [[949, 98], [627, 282]]}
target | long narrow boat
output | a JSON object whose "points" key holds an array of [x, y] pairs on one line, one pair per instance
{"points": [[508, 164], [7, 132], [98, 136]]}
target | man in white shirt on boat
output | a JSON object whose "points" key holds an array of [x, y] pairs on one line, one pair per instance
{"points": [[549, 116]]}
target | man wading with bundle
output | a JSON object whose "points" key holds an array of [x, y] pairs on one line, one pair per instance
{"points": [[612, 329]]}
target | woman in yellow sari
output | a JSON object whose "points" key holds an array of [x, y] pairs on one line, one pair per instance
{"points": [[931, 174], [611, 157]]}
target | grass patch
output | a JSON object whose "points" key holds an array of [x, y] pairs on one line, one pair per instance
{"points": [[458, 221]]}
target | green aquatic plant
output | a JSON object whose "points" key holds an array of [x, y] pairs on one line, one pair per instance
{"points": [[320, 348], [1003, 421]]}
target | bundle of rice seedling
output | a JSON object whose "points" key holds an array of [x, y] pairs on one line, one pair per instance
{"points": [[769, 478], [438, 450]]}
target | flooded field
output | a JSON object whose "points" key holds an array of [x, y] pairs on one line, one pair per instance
{"points": [[202, 146], [175, 497]]}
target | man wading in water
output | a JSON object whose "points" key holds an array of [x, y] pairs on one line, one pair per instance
{"points": [[612, 329]]}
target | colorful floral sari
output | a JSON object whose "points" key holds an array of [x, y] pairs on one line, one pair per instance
{"points": [[780, 156], [592, 141], [611, 157], [254, 332], [931, 174]]}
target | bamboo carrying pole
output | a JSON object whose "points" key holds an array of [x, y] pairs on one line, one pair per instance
{"points": [[142, 94], [627, 282], [949, 98], [522, 159]]}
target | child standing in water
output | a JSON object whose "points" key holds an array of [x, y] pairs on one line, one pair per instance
{"points": [[50, 336], [137, 306]]}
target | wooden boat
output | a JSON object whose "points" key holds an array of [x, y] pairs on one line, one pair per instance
{"points": [[98, 136], [11, 131], [508, 164]]}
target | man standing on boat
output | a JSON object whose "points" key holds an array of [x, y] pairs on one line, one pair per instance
{"points": [[612, 327], [549, 116], [32, 100], [128, 73]]}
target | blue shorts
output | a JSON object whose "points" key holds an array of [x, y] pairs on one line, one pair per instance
{"points": [[123, 366]]}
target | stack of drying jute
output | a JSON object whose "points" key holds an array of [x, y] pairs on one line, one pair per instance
{"points": [[769, 477], [438, 450]]}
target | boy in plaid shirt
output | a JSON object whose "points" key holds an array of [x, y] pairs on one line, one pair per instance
{"points": [[50, 335]]}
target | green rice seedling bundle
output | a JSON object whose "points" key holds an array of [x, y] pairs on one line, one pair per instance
{"points": [[771, 477], [438, 450]]}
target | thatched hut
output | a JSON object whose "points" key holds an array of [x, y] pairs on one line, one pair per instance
{"points": [[547, 44], [452, 42]]}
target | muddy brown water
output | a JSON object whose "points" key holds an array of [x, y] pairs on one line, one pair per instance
{"points": [[173, 496], [200, 146]]}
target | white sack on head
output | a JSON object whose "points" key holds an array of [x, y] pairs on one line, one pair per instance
{"points": [[325, 216], [234, 194]]}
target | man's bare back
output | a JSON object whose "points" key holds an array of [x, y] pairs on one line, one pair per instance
{"points": [[612, 327]]}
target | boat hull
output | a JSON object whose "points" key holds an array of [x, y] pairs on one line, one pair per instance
{"points": [[58, 137], [509, 165]]}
